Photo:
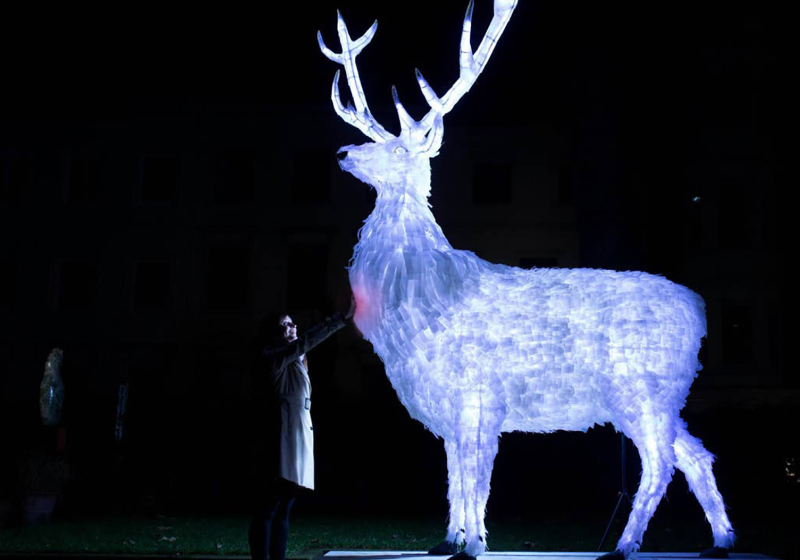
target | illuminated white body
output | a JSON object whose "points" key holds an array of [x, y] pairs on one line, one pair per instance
{"points": [[474, 349], [545, 345]]}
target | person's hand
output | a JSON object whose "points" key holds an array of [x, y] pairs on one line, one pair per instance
{"points": [[352, 310]]}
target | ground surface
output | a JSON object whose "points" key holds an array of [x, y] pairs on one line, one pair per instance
{"points": [[408, 555], [185, 535]]}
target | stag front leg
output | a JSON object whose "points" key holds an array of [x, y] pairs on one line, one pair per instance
{"points": [[477, 441], [455, 496]]}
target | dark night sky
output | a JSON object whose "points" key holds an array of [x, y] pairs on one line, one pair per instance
{"points": [[645, 59]]}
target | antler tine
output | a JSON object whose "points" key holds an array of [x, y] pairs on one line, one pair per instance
{"points": [[471, 65], [409, 127], [359, 116], [434, 139]]}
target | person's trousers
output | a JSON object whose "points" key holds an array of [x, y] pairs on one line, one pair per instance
{"points": [[269, 526]]}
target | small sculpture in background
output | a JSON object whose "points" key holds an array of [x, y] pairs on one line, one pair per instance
{"points": [[51, 391]]}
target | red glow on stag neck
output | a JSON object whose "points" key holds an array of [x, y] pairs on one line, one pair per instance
{"points": [[362, 303]]}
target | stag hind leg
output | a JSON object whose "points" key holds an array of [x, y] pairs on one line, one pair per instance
{"points": [[695, 462], [653, 434]]}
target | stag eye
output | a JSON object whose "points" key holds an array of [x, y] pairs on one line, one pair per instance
{"points": [[400, 150]]}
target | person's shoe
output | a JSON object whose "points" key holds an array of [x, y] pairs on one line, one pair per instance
{"points": [[444, 548], [715, 552]]}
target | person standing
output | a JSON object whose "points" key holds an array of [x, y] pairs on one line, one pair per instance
{"points": [[289, 464]]}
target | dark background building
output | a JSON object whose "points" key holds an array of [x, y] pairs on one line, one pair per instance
{"points": [[168, 178]]}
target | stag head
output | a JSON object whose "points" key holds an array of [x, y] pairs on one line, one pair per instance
{"points": [[400, 164]]}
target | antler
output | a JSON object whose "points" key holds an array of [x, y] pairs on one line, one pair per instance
{"points": [[360, 116], [471, 66]]}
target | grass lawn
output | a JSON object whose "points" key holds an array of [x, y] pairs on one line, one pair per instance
{"points": [[227, 535]]}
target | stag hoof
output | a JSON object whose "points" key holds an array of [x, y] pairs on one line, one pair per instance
{"points": [[462, 556], [444, 548], [715, 552], [616, 555]]}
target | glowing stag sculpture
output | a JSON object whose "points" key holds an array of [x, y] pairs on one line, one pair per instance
{"points": [[475, 349]]}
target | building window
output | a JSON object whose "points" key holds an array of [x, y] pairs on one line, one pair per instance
{"points": [[7, 357], [308, 277], [565, 184], [153, 285], [697, 222], [728, 95], [8, 287], [737, 335], [159, 179], [78, 285], [733, 217], [227, 278], [233, 176], [311, 182], [538, 262], [491, 183], [13, 178], [85, 180]]}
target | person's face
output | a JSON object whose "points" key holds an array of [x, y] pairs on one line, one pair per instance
{"points": [[289, 329]]}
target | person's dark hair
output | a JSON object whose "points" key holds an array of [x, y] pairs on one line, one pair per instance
{"points": [[270, 331]]}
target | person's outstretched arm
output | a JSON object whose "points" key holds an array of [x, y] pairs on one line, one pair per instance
{"points": [[279, 357]]}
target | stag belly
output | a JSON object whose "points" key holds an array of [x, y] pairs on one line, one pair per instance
{"points": [[531, 364], [535, 388], [548, 386]]}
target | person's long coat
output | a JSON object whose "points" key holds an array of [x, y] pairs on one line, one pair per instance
{"points": [[291, 388]]}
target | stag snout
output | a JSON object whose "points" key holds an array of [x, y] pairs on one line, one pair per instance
{"points": [[341, 158]]}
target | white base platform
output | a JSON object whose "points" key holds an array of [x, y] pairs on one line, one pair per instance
{"points": [[420, 555]]}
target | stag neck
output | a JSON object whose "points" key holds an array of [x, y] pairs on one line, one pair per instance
{"points": [[402, 223], [409, 185], [403, 215], [402, 201]]}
